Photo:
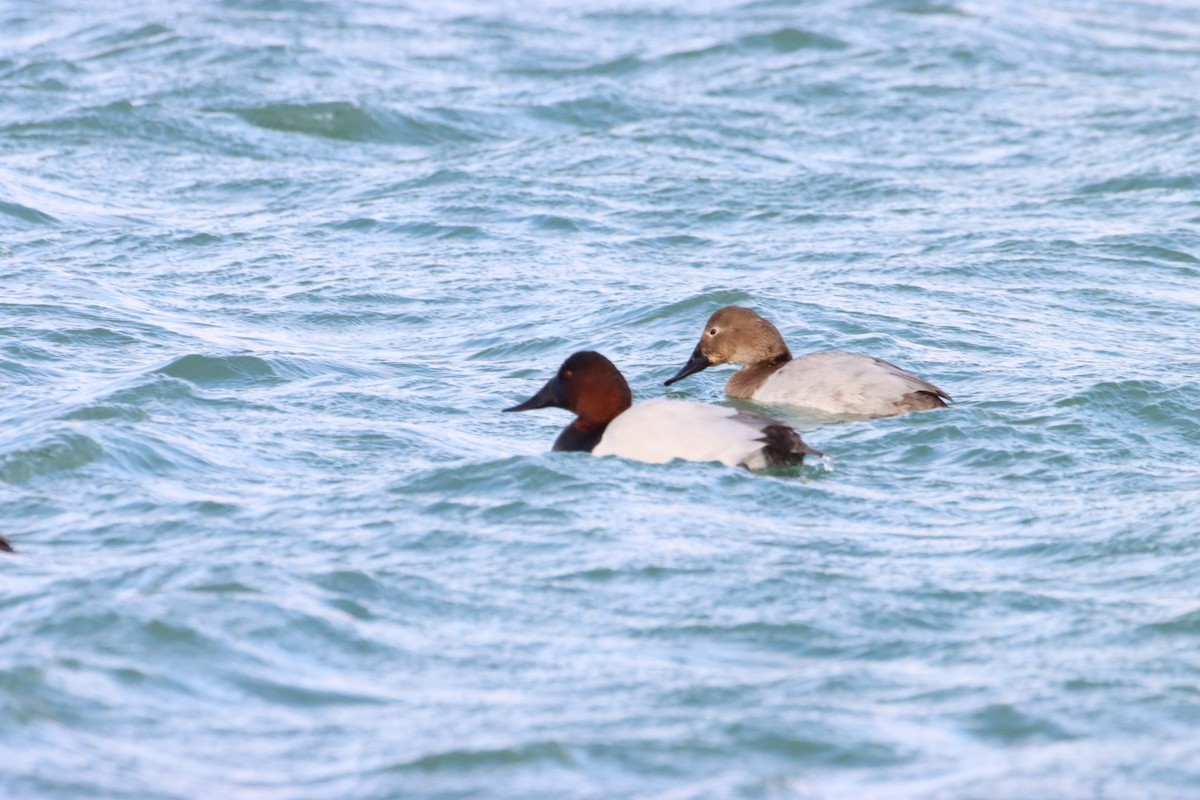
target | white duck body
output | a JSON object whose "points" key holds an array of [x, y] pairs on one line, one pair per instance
{"points": [[840, 383], [658, 431]]}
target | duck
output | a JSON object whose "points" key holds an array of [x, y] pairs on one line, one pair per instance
{"points": [[5, 547], [608, 423], [833, 383]]}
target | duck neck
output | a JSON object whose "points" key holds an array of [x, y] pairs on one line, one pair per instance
{"points": [[746, 381], [577, 438]]}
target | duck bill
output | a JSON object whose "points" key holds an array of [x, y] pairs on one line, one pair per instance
{"points": [[550, 395], [697, 363]]}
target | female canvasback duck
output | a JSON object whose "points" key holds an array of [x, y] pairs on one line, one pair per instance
{"points": [[657, 431], [832, 382]]}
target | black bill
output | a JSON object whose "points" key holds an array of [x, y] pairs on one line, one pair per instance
{"points": [[550, 395], [695, 364]]}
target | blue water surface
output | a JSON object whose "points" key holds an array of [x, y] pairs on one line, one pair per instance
{"points": [[269, 270]]}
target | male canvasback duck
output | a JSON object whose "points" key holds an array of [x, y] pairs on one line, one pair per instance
{"points": [[833, 382], [5, 547], [657, 431]]}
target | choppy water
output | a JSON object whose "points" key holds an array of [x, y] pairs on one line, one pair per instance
{"points": [[270, 268]]}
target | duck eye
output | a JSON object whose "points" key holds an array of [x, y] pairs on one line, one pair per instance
{"points": [[566, 374], [712, 332]]}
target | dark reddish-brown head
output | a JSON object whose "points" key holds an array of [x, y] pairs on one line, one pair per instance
{"points": [[590, 386]]}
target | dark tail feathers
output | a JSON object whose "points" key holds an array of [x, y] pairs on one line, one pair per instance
{"points": [[784, 447]]}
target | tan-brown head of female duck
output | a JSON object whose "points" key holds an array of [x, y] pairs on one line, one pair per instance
{"points": [[736, 335]]}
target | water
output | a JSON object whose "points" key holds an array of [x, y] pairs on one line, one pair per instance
{"points": [[271, 268]]}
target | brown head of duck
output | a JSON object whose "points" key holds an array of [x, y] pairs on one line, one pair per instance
{"points": [[736, 335]]}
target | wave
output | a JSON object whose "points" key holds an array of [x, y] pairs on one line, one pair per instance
{"points": [[62, 451], [26, 214], [205, 370], [351, 122]]}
